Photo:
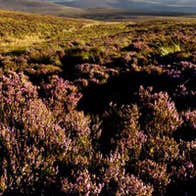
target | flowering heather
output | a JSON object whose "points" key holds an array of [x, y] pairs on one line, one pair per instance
{"points": [[126, 134], [84, 184], [161, 149], [60, 95], [190, 119], [15, 95], [97, 108], [123, 184], [31, 141], [162, 117], [155, 174], [92, 72]]}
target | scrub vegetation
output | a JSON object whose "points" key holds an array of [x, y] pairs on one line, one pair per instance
{"points": [[97, 108]]}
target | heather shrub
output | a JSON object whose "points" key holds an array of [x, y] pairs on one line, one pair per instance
{"points": [[182, 180], [92, 72], [39, 71], [131, 185], [15, 94], [27, 163], [76, 124], [159, 114], [29, 152], [155, 174], [38, 120], [182, 172], [150, 69], [83, 183], [189, 118], [182, 75], [163, 149], [47, 56], [124, 184], [21, 107], [187, 151], [180, 71], [77, 129], [31, 141], [114, 164], [110, 173], [61, 96], [137, 46], [124, 135]]}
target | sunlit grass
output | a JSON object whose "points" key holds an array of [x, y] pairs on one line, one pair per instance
{"points": [[12, 43], [169, 49]]}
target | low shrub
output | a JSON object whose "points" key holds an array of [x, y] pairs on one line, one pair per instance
{"points": [[159, 114]]}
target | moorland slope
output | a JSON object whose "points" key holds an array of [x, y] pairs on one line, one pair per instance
{"points": [[97, 108]]}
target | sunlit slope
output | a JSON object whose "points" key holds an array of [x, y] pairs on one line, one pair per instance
{"points": [[44, 37], [20, 30]]}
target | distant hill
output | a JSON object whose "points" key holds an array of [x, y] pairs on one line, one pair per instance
{"points": [[42, 6], [186, 6], [101, 9]]}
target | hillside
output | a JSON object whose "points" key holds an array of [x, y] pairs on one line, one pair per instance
{"points": [[90, 107], [100, 9], [39, 7], [188, 6]]}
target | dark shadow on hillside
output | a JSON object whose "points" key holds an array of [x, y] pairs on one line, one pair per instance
{"points": [[75, 56], [175, 57], [123, 89]]}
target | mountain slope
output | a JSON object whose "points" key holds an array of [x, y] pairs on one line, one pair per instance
{"points": [[147, 5], [38, 7], [115, 8], [121, 3]]}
